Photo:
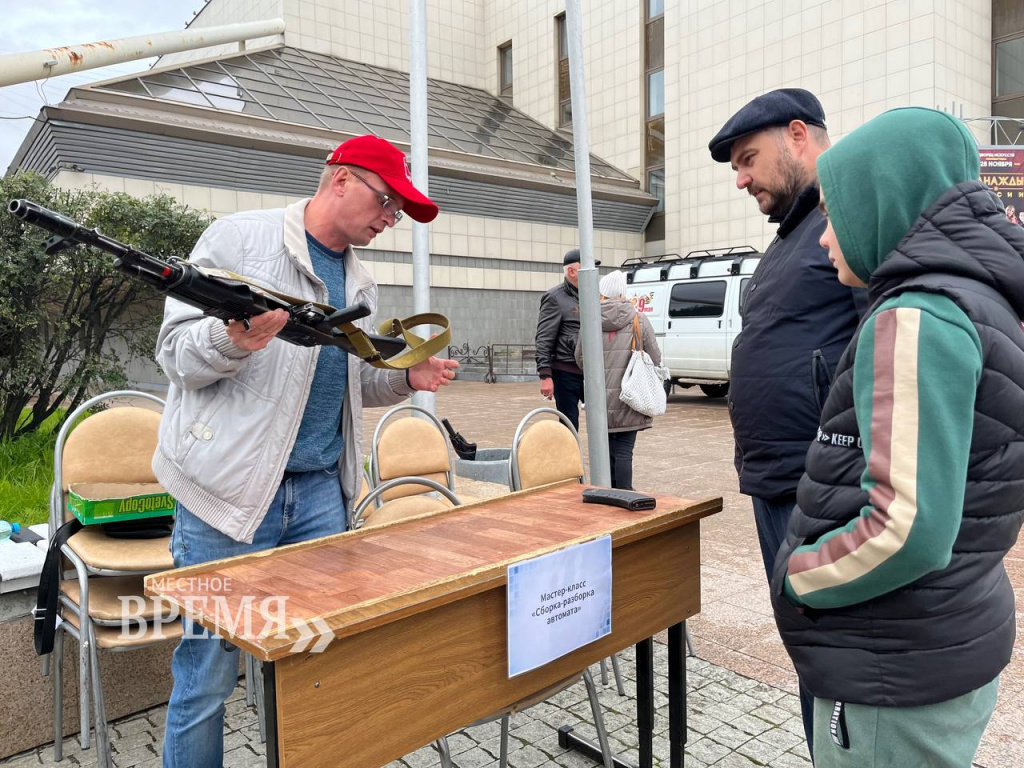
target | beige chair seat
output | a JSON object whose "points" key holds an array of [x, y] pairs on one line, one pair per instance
{"points": [[101, 552], [104, 597], [111, 638], [404, 507]]}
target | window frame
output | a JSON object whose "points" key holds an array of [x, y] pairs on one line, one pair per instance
{"points": [[995, 44], [505, 92], [562, 66], [674, 314]]}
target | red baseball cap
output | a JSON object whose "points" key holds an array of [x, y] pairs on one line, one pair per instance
{"points": [[390, 163]]}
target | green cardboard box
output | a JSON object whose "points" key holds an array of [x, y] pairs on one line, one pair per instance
{"points": [[116, 502]]}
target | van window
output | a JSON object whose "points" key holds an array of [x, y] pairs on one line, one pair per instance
{"points": [[697, 299], [744, 286]]}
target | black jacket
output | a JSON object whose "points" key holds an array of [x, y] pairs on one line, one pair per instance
{"points": [[797, 320], [951, 631], [558, 327]]}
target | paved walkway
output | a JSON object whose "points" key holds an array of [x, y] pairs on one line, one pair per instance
{"points": [[734, 722], [742, 707]]}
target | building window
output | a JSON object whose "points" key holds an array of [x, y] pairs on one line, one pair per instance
{"points": [[564, 94], [654, 76], [505, 70], [1010, 67]]}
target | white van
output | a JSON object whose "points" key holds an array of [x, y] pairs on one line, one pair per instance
{"points": [[693, 302]]}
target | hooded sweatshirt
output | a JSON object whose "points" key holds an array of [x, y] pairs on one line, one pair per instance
{"points": [[890, 589], [876, 183]]}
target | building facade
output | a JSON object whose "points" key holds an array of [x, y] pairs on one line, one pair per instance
{"points": [[250, 128]]}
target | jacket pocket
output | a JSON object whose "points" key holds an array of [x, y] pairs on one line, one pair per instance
{"points": [[821, 379]]}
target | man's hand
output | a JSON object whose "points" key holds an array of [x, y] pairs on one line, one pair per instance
{"points": [[262, 328], [432, 374], [547, 388]]}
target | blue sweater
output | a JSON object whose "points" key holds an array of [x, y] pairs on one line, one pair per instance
{"points": [[319, 442]]}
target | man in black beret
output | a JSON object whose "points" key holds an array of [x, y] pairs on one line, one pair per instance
{"points": [[558, 327], [797, 318]]}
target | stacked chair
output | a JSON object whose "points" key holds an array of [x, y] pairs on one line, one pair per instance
{"points": [[112, 446]]}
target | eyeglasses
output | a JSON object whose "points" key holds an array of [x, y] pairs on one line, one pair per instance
{"points": [[391, 208]]}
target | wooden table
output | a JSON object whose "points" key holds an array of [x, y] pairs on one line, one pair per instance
{"points": [[418, 617]]}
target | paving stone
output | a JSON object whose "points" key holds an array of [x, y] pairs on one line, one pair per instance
{"points": [[737, 761], [760, 750], [773, 714], [527, 757], [782, 739], [789, 760], [133, 741], [130, 758], [707, 751], [751, 725], [475, 758], [729, 736], [460, 742], [243, 757]]}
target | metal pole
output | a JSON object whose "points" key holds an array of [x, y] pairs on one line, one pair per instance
{"points": [[590, 303], [51, 62], [418, 142]]}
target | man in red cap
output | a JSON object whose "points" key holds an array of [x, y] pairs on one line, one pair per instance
{"points": [[260, 442]]}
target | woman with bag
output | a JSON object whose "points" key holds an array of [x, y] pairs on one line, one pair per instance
{"points": [[626, 335]]}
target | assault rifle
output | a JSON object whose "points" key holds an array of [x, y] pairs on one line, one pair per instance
{"points": [[227, 296]]}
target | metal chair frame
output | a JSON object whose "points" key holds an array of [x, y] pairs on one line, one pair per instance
{"points": [[378, 431], [89, 667], [514, 480]]}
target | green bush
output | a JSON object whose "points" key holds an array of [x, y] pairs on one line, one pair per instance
{"points": [[70, 324]]}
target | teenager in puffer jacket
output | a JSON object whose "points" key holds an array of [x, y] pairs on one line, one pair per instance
{"points": [[890, 592], [617, 314]]}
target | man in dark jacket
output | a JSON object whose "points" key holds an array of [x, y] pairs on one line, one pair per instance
{"points": [[890, 591], [558, 327], [797, 319]]}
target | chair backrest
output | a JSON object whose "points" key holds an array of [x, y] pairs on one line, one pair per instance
{"points": [[115, 445], [409, 447], [367, 513], [545, 451]]}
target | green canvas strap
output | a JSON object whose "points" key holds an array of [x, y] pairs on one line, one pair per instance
{"points": [[419, 350]]}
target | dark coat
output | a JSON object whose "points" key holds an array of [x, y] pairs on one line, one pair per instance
{"points": [[797, 320], [558, 327]]}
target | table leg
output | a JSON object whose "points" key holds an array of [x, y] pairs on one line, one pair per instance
{"points": [[645, 700], [677, 693], [270, 711]]}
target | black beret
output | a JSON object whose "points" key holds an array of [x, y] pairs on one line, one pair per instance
{"points": [[779, 107], [573, 257]]}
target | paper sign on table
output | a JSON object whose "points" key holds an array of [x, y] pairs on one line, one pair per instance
{"points": [[558, 603]]}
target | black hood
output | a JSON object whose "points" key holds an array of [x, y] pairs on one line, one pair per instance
{"points": [[966, 234]]}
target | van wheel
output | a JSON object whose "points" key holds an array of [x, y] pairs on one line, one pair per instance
{"points": [[668, 387], [715, 390]]}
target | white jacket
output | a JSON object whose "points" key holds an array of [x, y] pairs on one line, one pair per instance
{"points": [[232, 417]]}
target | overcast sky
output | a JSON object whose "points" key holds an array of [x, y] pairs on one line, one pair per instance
{"points": [[30, 25]]}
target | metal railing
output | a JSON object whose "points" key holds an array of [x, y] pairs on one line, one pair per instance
{"points": [[507, 360]]}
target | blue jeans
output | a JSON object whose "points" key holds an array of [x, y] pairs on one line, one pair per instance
{"points": [[772, 519], [307, 505]]}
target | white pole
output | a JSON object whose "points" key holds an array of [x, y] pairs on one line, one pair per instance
{"points": [[51, 62], [418, 142], [590, 304]]}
